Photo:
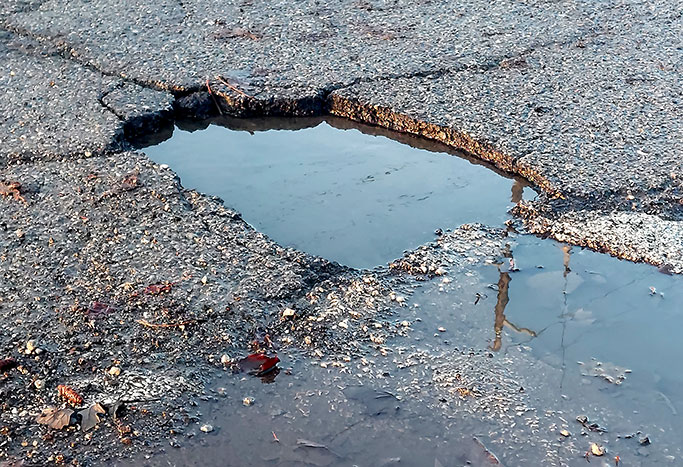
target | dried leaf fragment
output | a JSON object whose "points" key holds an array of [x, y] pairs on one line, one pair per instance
{"points": [[12, 189], [69, 394], [90, 416], [55, 418]]}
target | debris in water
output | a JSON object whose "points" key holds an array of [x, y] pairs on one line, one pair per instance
{"points": [[248, 401], [258, 364], [206, 428], [609, 372], [275, 438], [653, 291], [491, 458], [583, 420], [644, 441], [597, 450], [565, 433]]}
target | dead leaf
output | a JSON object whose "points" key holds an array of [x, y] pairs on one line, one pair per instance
{"points": [[55, 418], [90, 416]]}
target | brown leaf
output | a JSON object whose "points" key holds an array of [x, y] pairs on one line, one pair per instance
{"points": [[90, 416], [55, 418]]}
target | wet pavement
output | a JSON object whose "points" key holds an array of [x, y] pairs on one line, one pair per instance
{"points": [[123, 284]]}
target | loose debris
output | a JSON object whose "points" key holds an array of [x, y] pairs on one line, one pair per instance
{"points": [[12, 189], [90, 416], [69, 394], [583, 420], [206, 428], [258, 364], [611, 373], [56, 418]]}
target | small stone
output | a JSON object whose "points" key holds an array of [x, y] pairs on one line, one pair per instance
{"points": [[39, 383], [440, 271], [565, 433], [38, 351], [307, 340], [288, 313], [597, 450], [206, 428], [344, 324], [644, 441], [225, 359], [204, 280], [405, 323], [19, 233], [248, 401], [31, 346], [441, 329], [115, 371]]}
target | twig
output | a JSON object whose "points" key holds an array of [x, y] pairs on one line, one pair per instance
{"points": [[224, 81], [208, 88], [147, 324]]}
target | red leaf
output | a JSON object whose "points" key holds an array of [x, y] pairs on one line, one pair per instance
{"points": [[258, 364]]}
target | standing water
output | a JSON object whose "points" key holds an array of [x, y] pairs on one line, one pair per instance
{"points": [[345, 194], [360, 196]]}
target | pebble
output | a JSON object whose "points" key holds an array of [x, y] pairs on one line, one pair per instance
{"points": [[39, 383], [441, 329], [565, 433], [597, 450], [225, 359], [288, 313], [31, 346], [247, 401], [206, 428], [115, 371], [405, 323], [19, 233]]}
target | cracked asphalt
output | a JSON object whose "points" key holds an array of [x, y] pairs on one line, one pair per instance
{"points": [[583, 99]]}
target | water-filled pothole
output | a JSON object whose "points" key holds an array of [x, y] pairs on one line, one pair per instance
{"points": [[361, 197], [350, 194]]}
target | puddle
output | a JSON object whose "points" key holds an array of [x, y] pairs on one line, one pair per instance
{"points": [[599, 335], [350, 194]]}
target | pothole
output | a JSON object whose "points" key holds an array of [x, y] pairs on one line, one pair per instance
{"points": [[350, 194], [571, 321]]}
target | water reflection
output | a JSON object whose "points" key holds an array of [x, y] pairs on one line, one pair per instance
{"points": [[503, 299]]}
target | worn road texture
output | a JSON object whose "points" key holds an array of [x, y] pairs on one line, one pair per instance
{"points": [[581, 98]]}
